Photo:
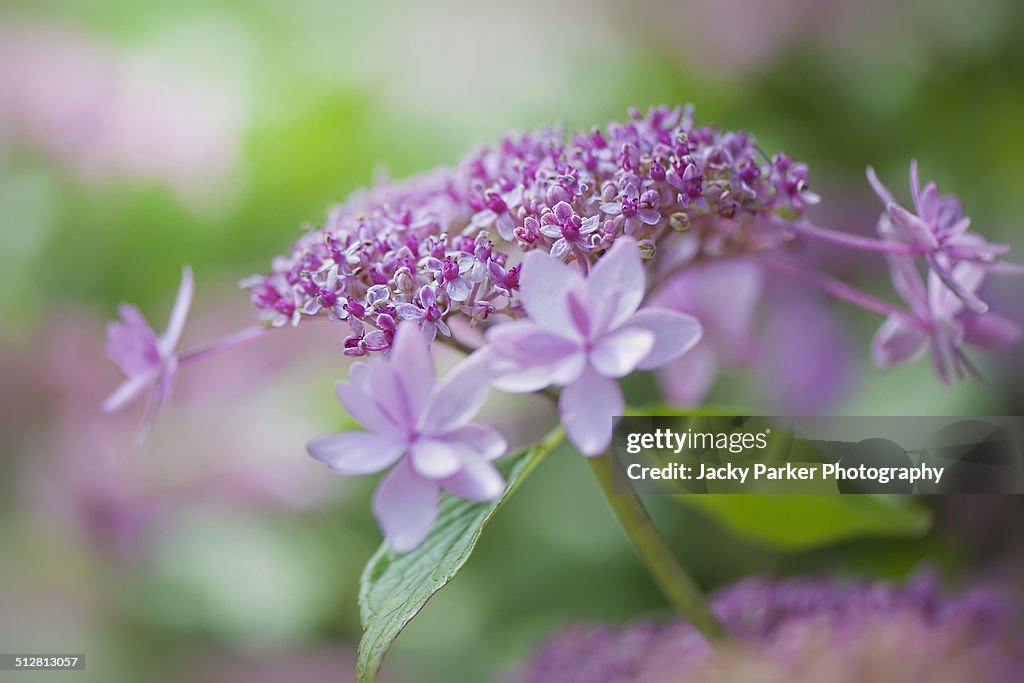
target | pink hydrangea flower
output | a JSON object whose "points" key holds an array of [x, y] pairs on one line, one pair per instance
{"points": [[145, 358], [940, 320], [723, 295], [419, 427], [583, 334], [939, 228]]}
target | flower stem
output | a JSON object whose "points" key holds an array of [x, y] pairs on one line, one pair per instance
{"points": [[847, 239], [663, 566], [837, 289]]}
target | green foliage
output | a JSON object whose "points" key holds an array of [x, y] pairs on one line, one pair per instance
{"points": [[395, 587], [801, 521]]}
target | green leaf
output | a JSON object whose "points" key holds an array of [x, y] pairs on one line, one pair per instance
{"points": [[799, 521], [819, 515], [395, 587]]}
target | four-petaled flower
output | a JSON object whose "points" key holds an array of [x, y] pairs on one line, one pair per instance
{"points": [[145, 358], [583, 334], [570, 232], [940, 230], [940, 320], [421, 427], [634, 207], [426, 312]]}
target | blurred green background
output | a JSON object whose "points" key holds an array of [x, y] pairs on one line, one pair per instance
{"points": [[135, 137]]}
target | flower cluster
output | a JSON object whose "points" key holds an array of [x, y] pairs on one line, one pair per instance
{"points": [[450, 241], [542, 241], [800, 631]]}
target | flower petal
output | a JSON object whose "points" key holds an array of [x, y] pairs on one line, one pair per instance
{"points": [[357, 452], [435, 458], [992, 332], [881, 190], [389, 393], [128, 391], [587, 407], [477, 480], [362, 406], [542, 285], [617, 283], [674, 334], [410, 356], [455, 400], [897, 341], [616, 354], [176, 323], [687, 380], [405, 505], [529, 344], [481, 440]]}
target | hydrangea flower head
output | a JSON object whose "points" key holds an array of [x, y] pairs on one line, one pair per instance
{"points": [[146, 358], [800, 631], [419, 427], [440, 245], [584, 334]]}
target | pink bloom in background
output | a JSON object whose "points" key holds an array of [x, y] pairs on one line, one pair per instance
{"points": [[421, 427], [940, 320], [583, 334], [723, 296], [939, 228], [145, 358], [104, 113]]}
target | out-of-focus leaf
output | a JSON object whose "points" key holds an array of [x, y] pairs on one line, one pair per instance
{"points": [[798, 521]]}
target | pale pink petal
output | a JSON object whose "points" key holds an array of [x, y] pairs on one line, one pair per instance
{"points": [[482, 440], [906, 279], [477, 480], [176, 323], [455, 400], [530, 344], [127, 392], [357, 452], [362, 406], [912, 229], [387, 388], [992, 332], [618, 353], [687, 380], [723, 296], [542, 285], [881, 190], [410, 357], [915, 184], [674, 334], [587, 407], [405, 505], [517, 378], [434, 458], [617, 283], [897, 341]]}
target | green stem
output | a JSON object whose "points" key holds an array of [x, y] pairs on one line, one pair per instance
{"points": [[671, 578]]}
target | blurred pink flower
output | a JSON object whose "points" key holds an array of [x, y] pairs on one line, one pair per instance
{"points": [[105, 114], [723, 296], [146, 359]]}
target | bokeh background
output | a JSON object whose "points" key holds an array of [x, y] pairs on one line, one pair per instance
{"points": [[135, 137]]}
